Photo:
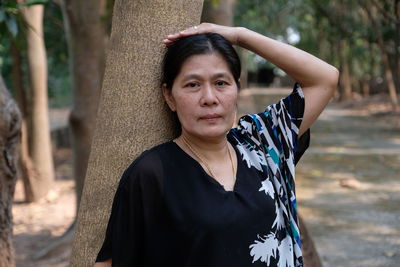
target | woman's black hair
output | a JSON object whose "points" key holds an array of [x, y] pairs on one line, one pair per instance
{"points": [[198, 44]]}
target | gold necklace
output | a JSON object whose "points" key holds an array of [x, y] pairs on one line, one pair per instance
{"points": [[203, 161]]}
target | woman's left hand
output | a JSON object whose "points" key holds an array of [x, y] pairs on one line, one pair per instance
{"points": [[229, 33]]}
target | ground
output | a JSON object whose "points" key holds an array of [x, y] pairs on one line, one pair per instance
{"points": [[38, 224], [347, 187]]}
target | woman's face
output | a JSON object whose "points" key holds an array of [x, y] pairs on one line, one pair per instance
{"points": [[204, 95]]}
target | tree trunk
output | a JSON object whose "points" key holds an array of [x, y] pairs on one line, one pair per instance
{"points": [[86, 39], [244, 75], [17, 79], [222, 12], [28, 173], [388, 74], [396, 60], [39, 129], [10, 126], [219, 12], [365, 87], [345, 79], [310, 254], [385, 57], [132, 114]]}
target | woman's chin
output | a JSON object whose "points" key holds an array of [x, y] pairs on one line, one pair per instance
{"points": [[213, 133]]}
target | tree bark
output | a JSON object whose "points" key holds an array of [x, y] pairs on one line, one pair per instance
{"points": [[39, 128], [28, 172], [10, 127], [132, 114], [86, 40], [17, 79]]}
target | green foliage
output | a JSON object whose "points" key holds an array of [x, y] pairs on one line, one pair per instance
{"points": [[59, 84], [271, 18], [9, 17], [323, 24], [35, 2], [12, 30]]}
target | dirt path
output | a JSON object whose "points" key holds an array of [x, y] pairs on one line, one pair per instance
{"points": [[36, 225], [356, 223], [351, 227]]}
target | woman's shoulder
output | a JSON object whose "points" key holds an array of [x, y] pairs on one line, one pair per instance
{"points": [[147, 165]]}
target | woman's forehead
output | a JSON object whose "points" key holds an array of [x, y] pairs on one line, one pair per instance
{"points": [[197, 65]]}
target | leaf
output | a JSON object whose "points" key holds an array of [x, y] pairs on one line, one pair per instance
{"points": [[12, 25], [35, 2], [11, 5]]}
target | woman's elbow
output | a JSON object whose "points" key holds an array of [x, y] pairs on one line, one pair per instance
{"points": [[333, 78]]}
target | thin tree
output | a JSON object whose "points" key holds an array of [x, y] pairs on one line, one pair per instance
{"points": [[86, 33], [38, 120], [86, 36], [389, 77]]}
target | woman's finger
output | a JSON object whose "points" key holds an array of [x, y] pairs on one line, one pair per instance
{"points": [[197, 29]]}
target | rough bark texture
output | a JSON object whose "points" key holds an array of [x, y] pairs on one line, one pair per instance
{"points": [[132, 114], [10, 127], [39, 129], [86, 39]]}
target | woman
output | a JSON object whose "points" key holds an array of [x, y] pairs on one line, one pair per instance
{"points": [[217, 196]]}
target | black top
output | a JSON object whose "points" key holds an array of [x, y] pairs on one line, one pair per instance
{"points": [[168, 211]]}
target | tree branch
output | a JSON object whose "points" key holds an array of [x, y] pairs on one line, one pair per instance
{"points": [[386, 15]]}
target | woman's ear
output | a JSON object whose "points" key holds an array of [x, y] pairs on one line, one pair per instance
{"points": [[168, 97]]}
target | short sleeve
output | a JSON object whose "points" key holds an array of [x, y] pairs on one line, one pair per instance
{"points": [[123, 240], [276, 129], [291, 112]]}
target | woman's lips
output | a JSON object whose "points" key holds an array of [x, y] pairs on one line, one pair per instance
{"points": [[210, 117]]}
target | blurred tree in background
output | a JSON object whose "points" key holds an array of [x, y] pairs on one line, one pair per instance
{"points": [[25, 64], [362, 42], [361, 38]]}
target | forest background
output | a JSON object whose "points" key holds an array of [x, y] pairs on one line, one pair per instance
{"points": [[64, 69]]}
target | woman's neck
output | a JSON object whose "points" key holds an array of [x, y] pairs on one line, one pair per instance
{"points": [[212, 149]]}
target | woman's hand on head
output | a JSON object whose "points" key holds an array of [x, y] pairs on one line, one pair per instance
{"points": [[229, 33]]}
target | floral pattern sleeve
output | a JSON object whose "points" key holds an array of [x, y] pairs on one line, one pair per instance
{"points": [[269, 142]]}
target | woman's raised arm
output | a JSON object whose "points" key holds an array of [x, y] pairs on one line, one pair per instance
{"points": [[317, 78]]}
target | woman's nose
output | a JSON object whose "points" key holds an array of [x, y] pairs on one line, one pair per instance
{"points": [[208, 96]]}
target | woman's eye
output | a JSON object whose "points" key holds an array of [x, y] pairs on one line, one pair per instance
{"points": [[191, 84], [221, 83]]}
